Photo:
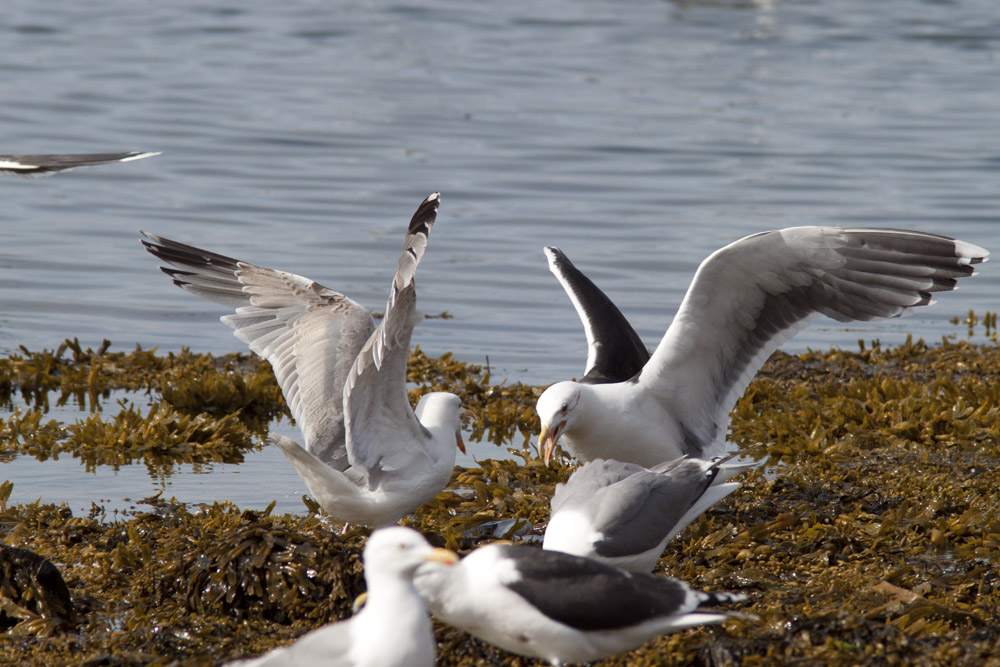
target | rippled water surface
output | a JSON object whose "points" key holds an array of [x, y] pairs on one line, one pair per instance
{"points": [[638, 136]]}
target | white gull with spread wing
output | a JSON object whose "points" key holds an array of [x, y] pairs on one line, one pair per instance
{"points": [[368, 458], [746, 299]]}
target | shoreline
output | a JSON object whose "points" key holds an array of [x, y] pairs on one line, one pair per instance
{"points": [[871, 536]]}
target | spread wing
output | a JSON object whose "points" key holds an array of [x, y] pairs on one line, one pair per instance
{"points": [[310, 334], [379, 415], [615, 352], [749, 297], [31, 165]]}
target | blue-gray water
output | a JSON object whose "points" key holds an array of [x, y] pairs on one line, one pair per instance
{"points": [[637, 135]]}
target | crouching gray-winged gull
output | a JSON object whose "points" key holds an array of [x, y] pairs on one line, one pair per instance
{"points": [[623, 514], [560, 607], [745, 300], [391, 630], [368, 459], [37, 165]]}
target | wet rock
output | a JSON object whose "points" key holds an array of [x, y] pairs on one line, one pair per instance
{"points": [[33, 596]]}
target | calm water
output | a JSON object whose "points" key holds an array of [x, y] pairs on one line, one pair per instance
{"points": [[638, 136]]}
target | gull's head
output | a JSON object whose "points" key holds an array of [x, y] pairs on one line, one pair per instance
{"points": [[399, 551], [441, 411], [556, 410]]}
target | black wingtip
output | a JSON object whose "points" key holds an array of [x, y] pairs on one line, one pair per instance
{"points": [[174, 273], [556, 256], [426, 214], [182, 254], [151, 242]]}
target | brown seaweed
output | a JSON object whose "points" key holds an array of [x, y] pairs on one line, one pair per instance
{"points": [[871, 536]]}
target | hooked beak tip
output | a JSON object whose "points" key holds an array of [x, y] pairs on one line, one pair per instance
{"points": [[547, 443], [459, 442], [446, 556]]}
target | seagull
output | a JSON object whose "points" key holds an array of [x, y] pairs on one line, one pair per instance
{"points": [[392, 628], [36, 165], [746, 299], [368, 457], [559, 607], [623, 514]]}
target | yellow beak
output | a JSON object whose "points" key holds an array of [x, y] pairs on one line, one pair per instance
{"points": [[438, 555], [547, 440]]}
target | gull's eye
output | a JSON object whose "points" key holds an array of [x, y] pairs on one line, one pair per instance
{"points": [[565, 408]]}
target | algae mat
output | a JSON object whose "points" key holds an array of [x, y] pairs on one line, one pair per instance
{"points": [[871, 535]]}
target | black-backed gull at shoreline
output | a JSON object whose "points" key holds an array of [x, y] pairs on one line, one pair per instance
{"points": [[746, 299], [559, 607]]}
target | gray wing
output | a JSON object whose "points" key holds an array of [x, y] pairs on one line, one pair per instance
{"points": [[379, 416], [749, 297], [30, 165], [634, 508], [311, 335], [615, 352], [328, 646]]}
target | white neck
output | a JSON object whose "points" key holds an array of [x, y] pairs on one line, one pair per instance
{"points": [[392, 597]]}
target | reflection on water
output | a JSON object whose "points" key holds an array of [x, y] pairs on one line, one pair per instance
{"points": [[64, 480], [263, 474], [638, 136]]}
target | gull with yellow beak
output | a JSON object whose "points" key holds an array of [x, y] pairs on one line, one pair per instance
{"points": [[559, 607], [746, 299], [391, 630], [368, 457]]}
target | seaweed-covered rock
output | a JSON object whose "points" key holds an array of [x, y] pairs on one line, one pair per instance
{"points": [[33, 596]]}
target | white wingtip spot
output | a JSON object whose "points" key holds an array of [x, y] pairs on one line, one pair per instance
{"points": [[969, 253], [140, 156], [552, 257]]}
